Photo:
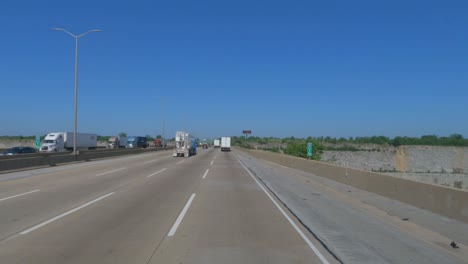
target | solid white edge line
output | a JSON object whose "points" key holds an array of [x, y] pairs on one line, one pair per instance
{"points": [[104, 173], [156, 173], [181, 216], [204, 175], [180, 162], [21, 194], [24, 232], [212, 162], [309, 243]]}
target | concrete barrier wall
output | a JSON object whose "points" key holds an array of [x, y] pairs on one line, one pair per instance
{"points": [[442, 200], [29, 161]]}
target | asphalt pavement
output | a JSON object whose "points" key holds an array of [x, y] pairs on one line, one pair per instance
{"points": [[149, 208]]}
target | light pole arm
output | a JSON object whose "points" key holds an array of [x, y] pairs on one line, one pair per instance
{"points": [[94, 30], [61, 29]]}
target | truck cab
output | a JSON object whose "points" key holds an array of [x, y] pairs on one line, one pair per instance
{"points": [[113, 142], [132, 142], [160, 143], [137, 142], [53, 143]]}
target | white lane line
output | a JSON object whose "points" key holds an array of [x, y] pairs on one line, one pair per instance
{"points": [[64, 214], [212, 162], [21, 194], [181, 216], [149, 161], [180, 161], [156, 172], [204, 175], [298, 230], [104, 173]]}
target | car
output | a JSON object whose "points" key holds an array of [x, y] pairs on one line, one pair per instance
{"points": [[19, 150]]}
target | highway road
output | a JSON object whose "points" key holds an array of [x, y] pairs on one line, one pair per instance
{"points": [[149, 208], [215, 207]]}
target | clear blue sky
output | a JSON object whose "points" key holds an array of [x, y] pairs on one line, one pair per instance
{"points": [[279, 68]]}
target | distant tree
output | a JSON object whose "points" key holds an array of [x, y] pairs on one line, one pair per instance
{"points": [[429, 140], [122, 134], [158, 136]]}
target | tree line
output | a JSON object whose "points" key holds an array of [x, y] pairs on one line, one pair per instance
{"points": [[428, 140]]}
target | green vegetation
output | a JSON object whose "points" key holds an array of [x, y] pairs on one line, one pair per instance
{"points": [[103, 138], [20, 138], [427, 140], [298, 146], [299, 149], [149, 138], [122, 134], [295, 146]]}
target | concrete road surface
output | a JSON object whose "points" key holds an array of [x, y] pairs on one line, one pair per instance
{"points": [[149, 208], [363, 227]]}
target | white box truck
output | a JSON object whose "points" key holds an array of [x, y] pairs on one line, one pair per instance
{"points": [[63, 141], [216, 143], [186, 145], [225, 143]]}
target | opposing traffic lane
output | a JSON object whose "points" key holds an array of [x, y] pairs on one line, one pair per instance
{"points": [[123, 227]]}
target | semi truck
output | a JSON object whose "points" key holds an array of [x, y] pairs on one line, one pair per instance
{"points": [[186, 145], [63, 141], [137, 142], [160, 143], [117, 142], [216, 143], [225, 143]]}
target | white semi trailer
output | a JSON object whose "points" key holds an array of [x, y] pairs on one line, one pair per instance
{"points": [[186, 145], [63, 141]]}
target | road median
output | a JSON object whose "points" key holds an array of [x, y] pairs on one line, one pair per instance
{"points": [[20, 162]]}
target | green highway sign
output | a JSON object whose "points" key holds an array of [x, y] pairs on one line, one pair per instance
{"points": [[38, 142], [309, 149]]}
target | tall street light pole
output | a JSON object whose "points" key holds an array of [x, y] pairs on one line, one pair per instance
{"points": [[76, 77]]}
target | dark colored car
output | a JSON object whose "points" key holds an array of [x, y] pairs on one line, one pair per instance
{"points": [[19, 150]]}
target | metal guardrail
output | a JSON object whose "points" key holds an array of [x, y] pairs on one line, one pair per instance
{"points": [[17, 162]]}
